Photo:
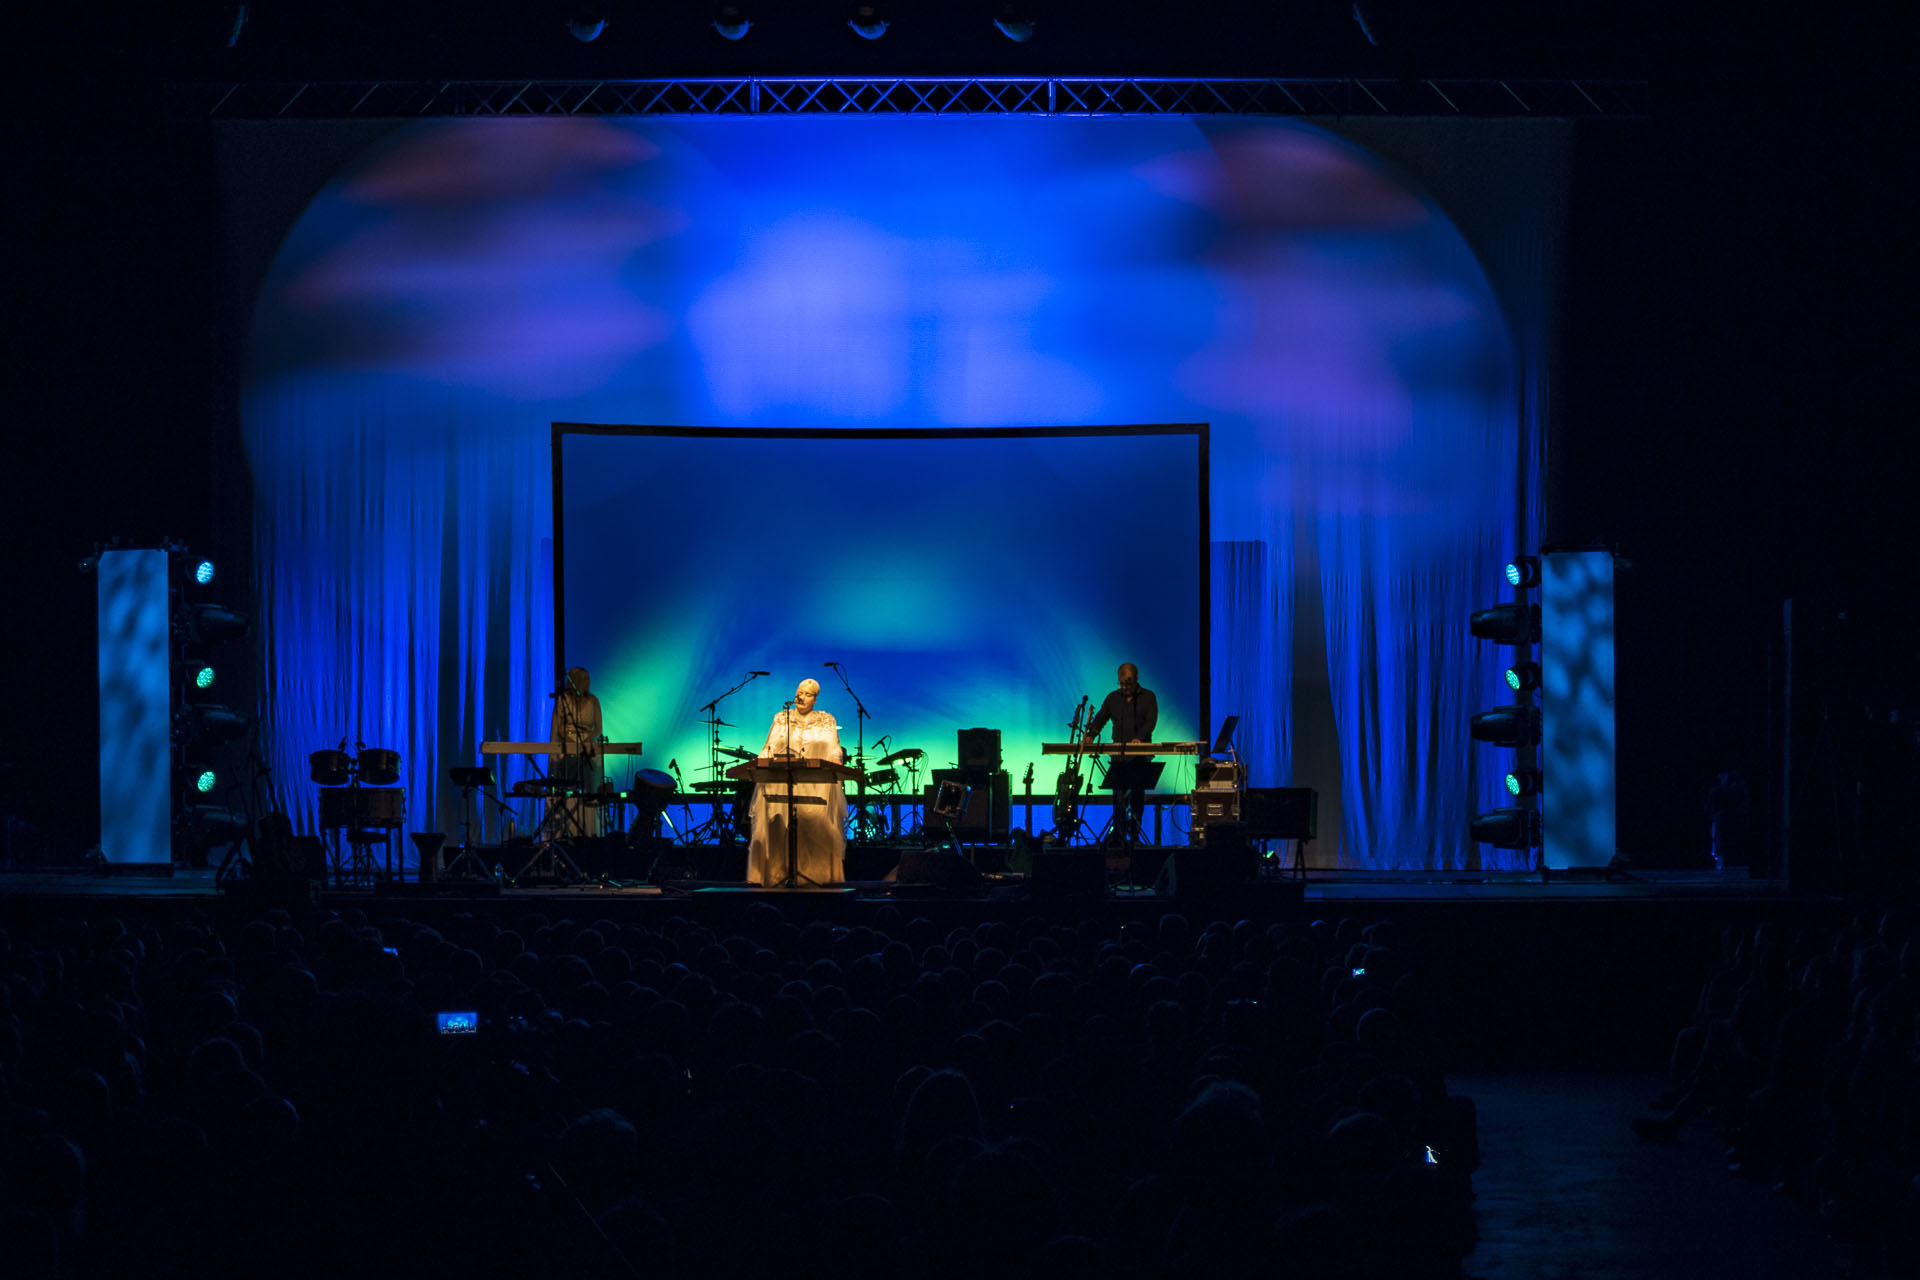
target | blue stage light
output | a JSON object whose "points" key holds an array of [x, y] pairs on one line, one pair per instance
{"points": [[203, 572], [1524, 571]]}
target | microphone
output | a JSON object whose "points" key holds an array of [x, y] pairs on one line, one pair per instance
{"points": [[759, 673], [833, 664], [675, 766]]}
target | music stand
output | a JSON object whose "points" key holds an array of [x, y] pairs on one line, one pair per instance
{"points": [[790, 773], [1132, 773]]}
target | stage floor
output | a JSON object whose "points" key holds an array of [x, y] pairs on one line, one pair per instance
{"points": [[1376, 887]]}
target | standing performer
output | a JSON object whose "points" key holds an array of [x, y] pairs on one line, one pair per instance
{"points": [[579, 765], [821, 845], [1132, 711]]}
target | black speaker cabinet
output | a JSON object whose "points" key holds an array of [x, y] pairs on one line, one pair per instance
{"points": [[1281, 813], [941, 867], [1225, 864], [979, 749], [972, 824], [1069, 874]]}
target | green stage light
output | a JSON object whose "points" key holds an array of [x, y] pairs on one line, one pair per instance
{"points": [[1507, 624], [205, 781], [1522, 676], [1523, 572], [1515, 726], [203, 678], [1523, 782], [203, 572]]}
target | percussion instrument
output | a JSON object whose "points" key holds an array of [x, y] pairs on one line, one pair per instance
{"points": [[379, 767], [883, 778], [910, 755], [363, 807], [330, 768], [652, 780]]}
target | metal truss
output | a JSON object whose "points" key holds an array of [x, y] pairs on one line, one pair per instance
{"points": [[1091, 96]]}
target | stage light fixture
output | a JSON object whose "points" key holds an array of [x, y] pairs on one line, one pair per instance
{"points": [[1507, 828], [586, 19], [867, 22], [732, 23], [203, 572], [205, 780], [212, 824], [212, 623], [1524, 781], [1523, 572], [1507, 624], [216, 724], [203, 678], [1515, 726], [1522, 676], [1015, 24]]}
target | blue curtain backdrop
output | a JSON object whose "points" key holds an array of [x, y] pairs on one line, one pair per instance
{"points": [[1374, 385]]}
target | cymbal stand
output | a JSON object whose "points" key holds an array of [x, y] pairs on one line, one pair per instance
{"points": [[916, 822], [862, 821]]}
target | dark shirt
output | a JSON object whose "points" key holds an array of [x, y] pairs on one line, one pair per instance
{"points": [[1132, 718]]}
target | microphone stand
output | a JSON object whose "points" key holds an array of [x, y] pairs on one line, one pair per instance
{"points": [[861, 821], [712, 721]]}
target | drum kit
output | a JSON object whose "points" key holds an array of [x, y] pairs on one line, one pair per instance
{"points": [[361, 806]]}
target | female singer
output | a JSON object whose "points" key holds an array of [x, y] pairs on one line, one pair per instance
{"points": [[800, 733]]}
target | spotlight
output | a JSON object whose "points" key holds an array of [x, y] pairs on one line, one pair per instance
{"points": [[1507, 828], [203, 572], [1508, 623], [203, 678], [867, 22], [1523, 572], [1517, 726], [216, 724], [1014, 24], [732, 23], [1522, 676], [212, 824], [212, 623], [586, 19], [205, 779], [1524, 781]]}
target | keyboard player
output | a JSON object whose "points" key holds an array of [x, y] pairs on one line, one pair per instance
{"points": [[1132, 711]]}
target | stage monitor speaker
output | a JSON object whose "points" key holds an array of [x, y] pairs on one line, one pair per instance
{"points": [[941, 867], [1069, 874], [1281, 813], [1213, 873], [973, 821], [979, 749]]}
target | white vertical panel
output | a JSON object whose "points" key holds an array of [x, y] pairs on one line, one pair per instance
{"points": [[1577, 730], [135, 781]]}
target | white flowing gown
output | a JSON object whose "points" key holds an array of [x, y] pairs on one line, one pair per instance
{"points": [[820, 830]]}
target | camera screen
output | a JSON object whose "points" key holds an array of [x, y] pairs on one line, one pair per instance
{"points": [[458, 1024]]}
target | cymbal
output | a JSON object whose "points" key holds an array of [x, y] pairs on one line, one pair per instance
{"points": [[911, 753], [736, 753]]}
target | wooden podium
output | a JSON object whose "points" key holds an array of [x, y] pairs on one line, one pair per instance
{"points": [[767, 771]]}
